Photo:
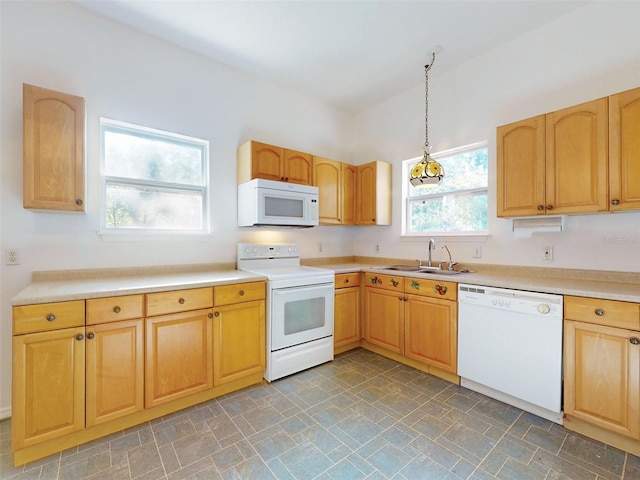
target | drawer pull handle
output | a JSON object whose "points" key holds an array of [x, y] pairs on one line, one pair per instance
{"points": [[346, 281], [181, 301], [116, 309], [79, 337], [540, 207], [599, 312], [634, 341], [217, 314], [91, 335], [549, 207], [51, 317], [615, 201], [241, 293]]}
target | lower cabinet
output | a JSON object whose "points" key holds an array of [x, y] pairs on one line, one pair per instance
{"points": [[413, 317], [346, 326], [78, 376]]}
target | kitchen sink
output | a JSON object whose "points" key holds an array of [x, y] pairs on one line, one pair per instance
{"points": [[416, 269]]}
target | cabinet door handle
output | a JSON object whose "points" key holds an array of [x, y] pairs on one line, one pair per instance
{"points": [[51, 317], [79, 202], [241, 293], [217, 314], [91, 335], [116, 309], [599, 312], [549, 207], [79, 337], [210, 315], [540, 207], [181, 301], [346, 281], [615, 201], [634, 341]]}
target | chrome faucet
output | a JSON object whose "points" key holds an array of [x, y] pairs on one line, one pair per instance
{"points": [[451, 263], [432, 246]]}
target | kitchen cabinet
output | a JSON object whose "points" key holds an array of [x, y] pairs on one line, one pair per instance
{"points": [[336, 182], [554, 163], [346, 330], [48, 372], [602, 367], [414, 317], [260, 160], [53, 157], [238, 331], [179, 344], [114, 358], [373, 194], [624, 150]]}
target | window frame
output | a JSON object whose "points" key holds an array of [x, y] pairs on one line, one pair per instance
{"points": [[406, 200], [107, 124]]}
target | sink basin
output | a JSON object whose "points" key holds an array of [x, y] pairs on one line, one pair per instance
{"points": [[415, 268], [440, 272], [402, 268]]}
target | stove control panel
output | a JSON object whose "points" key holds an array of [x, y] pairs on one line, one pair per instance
{"points": [[250, 251]]}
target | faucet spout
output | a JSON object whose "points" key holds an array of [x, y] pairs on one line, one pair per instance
{"points": [[432, 246]]}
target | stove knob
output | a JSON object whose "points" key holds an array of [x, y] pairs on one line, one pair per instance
{"points": [[543, 308]]}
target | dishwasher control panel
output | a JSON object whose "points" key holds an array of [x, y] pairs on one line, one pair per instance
{"points": [[520, 301]]}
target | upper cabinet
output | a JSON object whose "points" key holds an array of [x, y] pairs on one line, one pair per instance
{"points": [[582, 159], [624, 150], [373, 198], [259, 160], [336, 182], [53, 135], [554, 163]]}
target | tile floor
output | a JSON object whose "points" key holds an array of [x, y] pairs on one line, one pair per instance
{"points": [[361, 416]]}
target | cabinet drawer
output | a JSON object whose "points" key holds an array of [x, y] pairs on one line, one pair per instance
{"points": [[241, 292], [47, 316], [112, 309], [431, 288], [385, 282], [347, 280], [603, 312], [179, 301]]}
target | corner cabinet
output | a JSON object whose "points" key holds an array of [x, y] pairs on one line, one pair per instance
{"points": [[336, 182], [260, 160], [602, 370], [53, 157], [373, 198], [346, 330], [554, 163]]}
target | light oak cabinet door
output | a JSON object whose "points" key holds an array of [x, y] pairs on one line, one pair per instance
{"points": [[373, 198], [346, 329], [384, 319], [178, 355], [521, 168], [348, 194], [577, 159], [114, 370], [336, 182], [624, 150], [48, 385], [239, 341], [260, 160], [53, 139], [602, 377], [431, 331]]}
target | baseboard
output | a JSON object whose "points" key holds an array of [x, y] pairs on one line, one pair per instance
{"points": [[5, 413]]}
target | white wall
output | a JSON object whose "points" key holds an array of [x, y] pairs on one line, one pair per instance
{"points": [[590, 53], [129, 76]]}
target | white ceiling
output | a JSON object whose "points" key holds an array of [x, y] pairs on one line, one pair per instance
{"points": [[350, 54]]}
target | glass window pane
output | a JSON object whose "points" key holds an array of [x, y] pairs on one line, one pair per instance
{"points": [[449, 213], [149, 158], [129, 206]]}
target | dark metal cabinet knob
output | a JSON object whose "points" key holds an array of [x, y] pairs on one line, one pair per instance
{"points": [[615, 201], [549, 207], [241, 293], [79, 337], [116, 309], [634, 341], [599, 312], [79, 201], [181, 301], [540, 207], [210, 315], [91, 335], [217, 314], [51, 317]]}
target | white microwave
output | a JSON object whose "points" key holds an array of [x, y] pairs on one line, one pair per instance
{"points": [[270, 203]]}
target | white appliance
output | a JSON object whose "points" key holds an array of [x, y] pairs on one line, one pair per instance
{"points": [[299, 307], [510, 347], [270, 203]]}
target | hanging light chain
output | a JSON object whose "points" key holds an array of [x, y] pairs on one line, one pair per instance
{"points": [[426, 101]]}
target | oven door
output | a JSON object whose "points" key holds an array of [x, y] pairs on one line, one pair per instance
{"points": [[301, 314]]}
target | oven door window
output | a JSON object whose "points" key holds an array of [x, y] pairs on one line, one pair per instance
{"points": [[301, 315]]}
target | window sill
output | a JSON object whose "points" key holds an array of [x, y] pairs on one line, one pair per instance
{"points": [[151, 236]]}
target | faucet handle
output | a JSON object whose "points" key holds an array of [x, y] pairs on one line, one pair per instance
{"points": [[451, 265], [419, 262]]}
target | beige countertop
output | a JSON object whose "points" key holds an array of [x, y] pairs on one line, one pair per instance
{"points": [[612, 286], [83, 284]]}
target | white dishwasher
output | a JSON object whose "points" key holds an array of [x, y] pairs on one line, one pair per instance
{"points": [[510, 347]]}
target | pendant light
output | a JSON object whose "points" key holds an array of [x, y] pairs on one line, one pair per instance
{"points": [[427, 171]]}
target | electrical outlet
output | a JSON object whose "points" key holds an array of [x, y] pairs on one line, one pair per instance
{"points": [[12, 256], [476, 252], [546, 253], [377, 248]]}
